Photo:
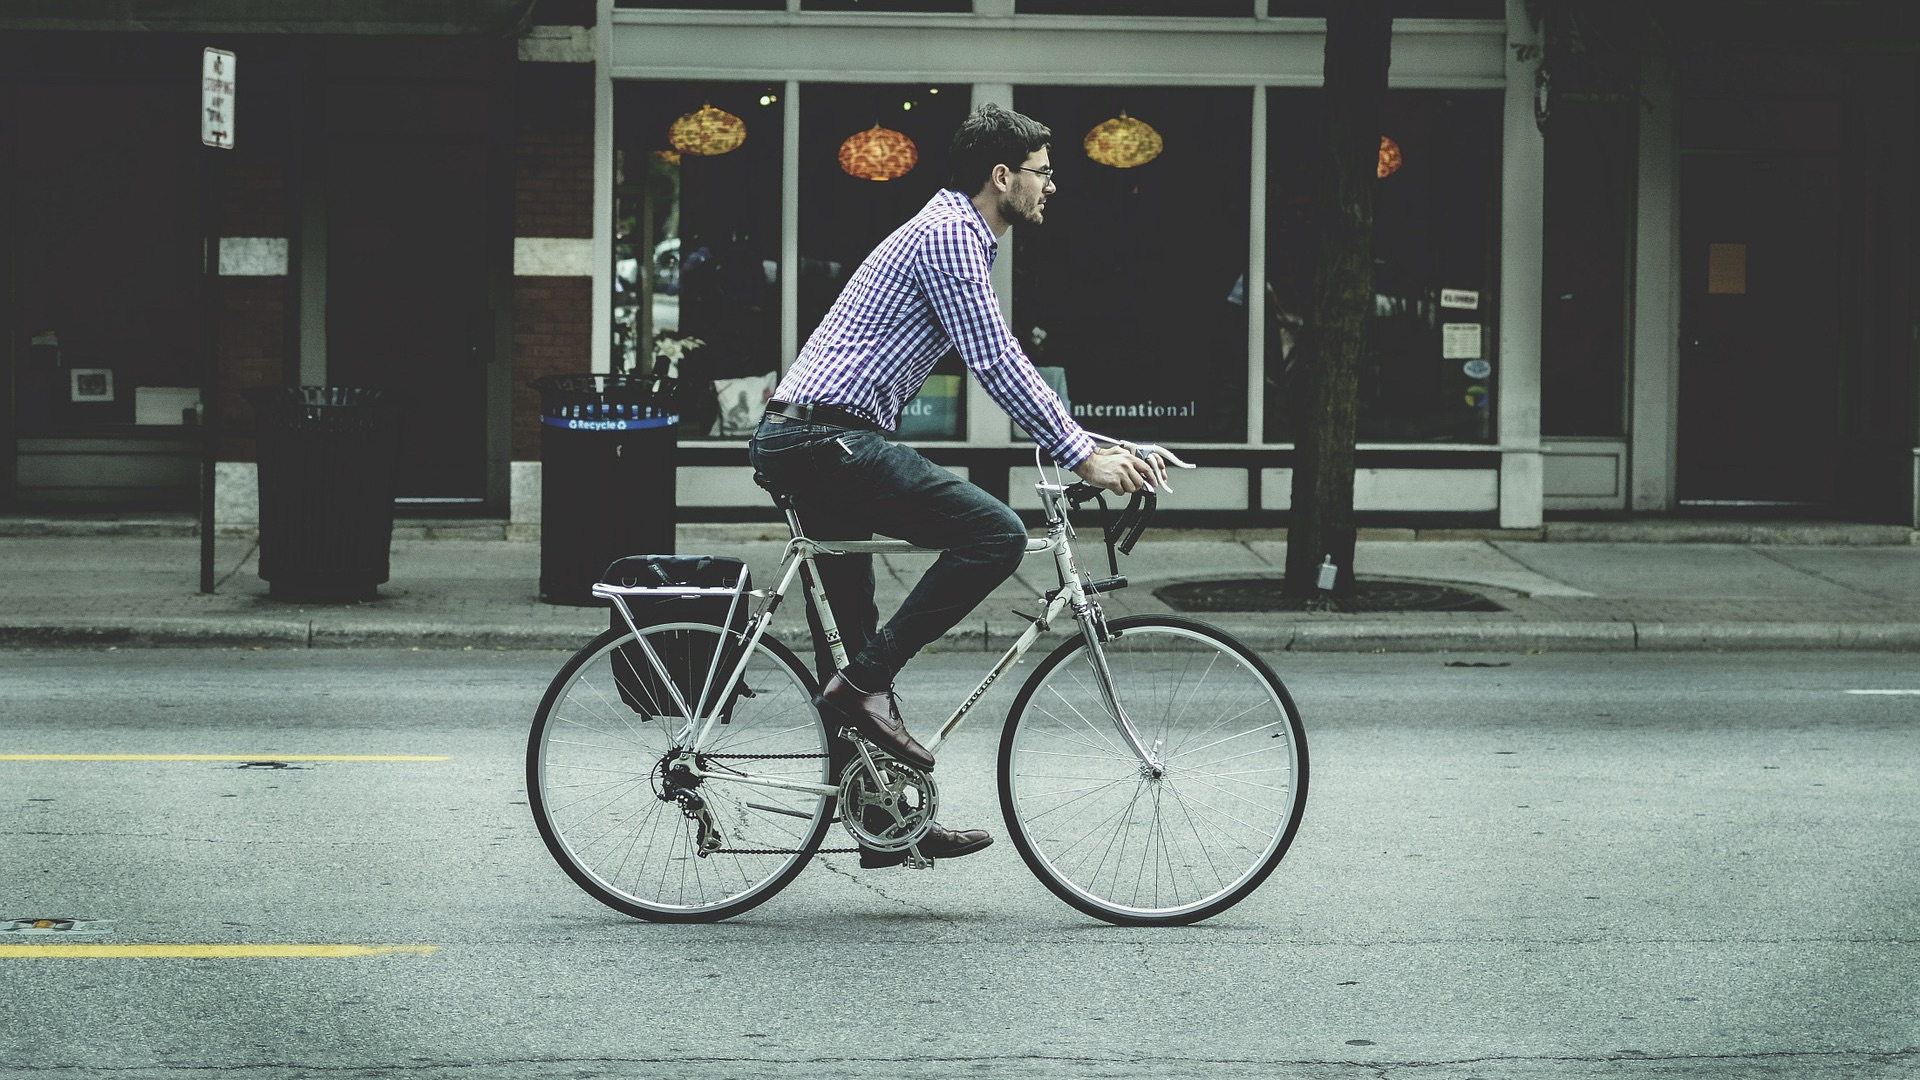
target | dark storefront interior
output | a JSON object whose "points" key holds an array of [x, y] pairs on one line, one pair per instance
{"points": [[375, 169]]}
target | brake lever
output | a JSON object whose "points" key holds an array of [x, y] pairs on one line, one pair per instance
{"points": [[1146, 451], [1131, 523]]}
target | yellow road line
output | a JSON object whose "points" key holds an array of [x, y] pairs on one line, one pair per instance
{"points": [[218, 757], [202, 952]]}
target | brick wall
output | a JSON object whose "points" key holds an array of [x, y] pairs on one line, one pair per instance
{"points": [[553, 183], [552, 334], [251, 336], [253, 193], [553, 198], [251, 343]]}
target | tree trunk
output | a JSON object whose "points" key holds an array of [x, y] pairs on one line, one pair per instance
{"points": [[1359, 42]]}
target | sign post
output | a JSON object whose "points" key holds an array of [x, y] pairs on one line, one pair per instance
{"points": [[216, 130]]}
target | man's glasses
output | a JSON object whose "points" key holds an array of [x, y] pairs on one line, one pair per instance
{"points": [[1044, 174]]}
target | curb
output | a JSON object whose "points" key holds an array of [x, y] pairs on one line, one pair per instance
{"points": [[1640, 531], [1355, 637]]}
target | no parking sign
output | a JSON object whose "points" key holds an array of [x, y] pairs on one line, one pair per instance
{"points": [[216, 98]]}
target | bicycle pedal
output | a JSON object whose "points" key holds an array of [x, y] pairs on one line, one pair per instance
{"points": [[917, 861]]}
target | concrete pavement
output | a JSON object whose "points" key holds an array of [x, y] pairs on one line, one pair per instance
{"points": [[1653, 585]]}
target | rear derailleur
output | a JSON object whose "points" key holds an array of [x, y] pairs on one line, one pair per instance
{"points": [[675, 783]]}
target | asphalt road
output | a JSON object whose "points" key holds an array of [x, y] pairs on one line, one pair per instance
{"points": [[1554, 866]]}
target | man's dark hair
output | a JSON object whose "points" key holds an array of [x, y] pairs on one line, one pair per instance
{"points": [[991, 136]]}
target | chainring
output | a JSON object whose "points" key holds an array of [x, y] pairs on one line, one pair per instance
{"points": [[890, 811]]}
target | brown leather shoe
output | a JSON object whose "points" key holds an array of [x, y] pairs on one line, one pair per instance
{"points": [[874, 717], [939, 843]]}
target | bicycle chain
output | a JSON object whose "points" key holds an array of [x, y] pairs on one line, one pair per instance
{"points": [[788, 851], [776, 851]]}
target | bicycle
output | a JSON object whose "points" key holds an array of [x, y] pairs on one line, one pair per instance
{"points": [[1152, 771]]}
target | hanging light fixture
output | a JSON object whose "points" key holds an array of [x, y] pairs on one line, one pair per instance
{"points": [[878, 154], [1123, 142], [1389, 158], [707, 132]]}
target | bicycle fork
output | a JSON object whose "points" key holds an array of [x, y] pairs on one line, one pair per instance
{"points": [[1103, 675], [1093, 627]]}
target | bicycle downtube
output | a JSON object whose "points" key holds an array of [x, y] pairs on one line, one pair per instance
{"points": [[1012, 656]]}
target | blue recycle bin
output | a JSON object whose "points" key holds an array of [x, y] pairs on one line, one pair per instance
{"points": [[608, 455]]}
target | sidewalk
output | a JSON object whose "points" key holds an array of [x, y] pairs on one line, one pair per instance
{"points": [[1661, 585]]}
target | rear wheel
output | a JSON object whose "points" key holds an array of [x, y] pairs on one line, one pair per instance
{"points": [[618, 807], [1120, 840]]}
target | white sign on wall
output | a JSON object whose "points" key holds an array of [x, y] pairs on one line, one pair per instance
{"points": [[1459, 341], [216, 98]]}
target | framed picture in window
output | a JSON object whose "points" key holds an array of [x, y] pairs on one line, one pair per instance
{"points": [[90, 384]]}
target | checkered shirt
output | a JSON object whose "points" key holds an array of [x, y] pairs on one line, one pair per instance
{"points": [[927, 289]]}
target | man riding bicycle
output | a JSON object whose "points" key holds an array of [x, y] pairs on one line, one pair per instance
{"points": [[923, 291]]}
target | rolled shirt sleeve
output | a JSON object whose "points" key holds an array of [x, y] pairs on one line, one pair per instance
{"points": [[955, 276]]}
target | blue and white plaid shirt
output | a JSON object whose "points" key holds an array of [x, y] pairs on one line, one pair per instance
{"points": [[924, 290]]}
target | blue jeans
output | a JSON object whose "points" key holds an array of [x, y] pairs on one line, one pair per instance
{"points": [[849, 485]]}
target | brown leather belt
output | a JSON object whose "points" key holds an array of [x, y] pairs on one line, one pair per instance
{"points": [[831, 415]]}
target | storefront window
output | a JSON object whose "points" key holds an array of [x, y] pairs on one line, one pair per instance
{"points": [[697, 244], [1430, 372], [1591, 166], [844, 216], [1236, 8], [706, 5], [1402, 9], [1133, 290], [920, 6], [805, 5]]}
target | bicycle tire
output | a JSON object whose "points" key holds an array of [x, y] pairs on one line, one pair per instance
{"points": [[1112, 840], [595, 777]]}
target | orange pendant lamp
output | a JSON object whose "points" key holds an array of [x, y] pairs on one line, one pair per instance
{"points": [[878, 154], [1123, 142], [1389, 158], [707, 132]]}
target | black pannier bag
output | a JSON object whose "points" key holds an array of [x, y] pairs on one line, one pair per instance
{"points": [[687, 657]]}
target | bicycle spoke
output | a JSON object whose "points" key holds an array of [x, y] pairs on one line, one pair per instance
{"points": [[1171, 845], [624, 833]]}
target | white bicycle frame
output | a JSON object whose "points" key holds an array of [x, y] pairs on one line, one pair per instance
{"points": [[799, 560]]}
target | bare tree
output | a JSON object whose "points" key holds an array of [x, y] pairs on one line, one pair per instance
{"points": [[1359, 44]]}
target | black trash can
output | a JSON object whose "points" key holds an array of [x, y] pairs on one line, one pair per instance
{"points": [[326, 490], [607, 459]]}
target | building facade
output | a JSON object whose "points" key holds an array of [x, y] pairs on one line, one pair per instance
{"points": [[1687, 291]]}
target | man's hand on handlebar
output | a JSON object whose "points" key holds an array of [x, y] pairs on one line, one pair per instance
{"points": [[1120, 470]]}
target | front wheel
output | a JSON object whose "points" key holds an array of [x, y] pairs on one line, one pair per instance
{"points": [[1136, 845], [624, 816]]}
